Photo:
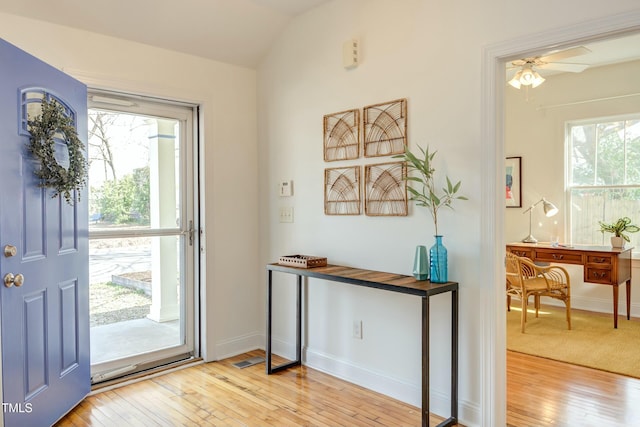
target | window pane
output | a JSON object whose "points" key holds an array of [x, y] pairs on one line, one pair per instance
{"points": [[611, 155], [134, 164], [632, 137], [607, 205], [135, 291], [583, 155]]}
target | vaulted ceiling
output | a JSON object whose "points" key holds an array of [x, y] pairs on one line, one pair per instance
{"points": [[238, 32]]}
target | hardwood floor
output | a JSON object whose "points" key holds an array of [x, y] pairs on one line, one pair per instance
{"points": [[541, 392], [219, 394]]}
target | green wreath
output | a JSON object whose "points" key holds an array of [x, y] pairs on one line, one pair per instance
{"points": [[50, 123]]}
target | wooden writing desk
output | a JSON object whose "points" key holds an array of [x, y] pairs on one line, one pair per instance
{"points": [[384, 281], [602, 264]]}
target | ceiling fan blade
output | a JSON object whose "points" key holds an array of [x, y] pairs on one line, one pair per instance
{"points": [[559, 66], [559, 55]]}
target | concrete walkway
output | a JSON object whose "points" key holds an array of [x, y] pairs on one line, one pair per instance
{"points": [[130, 337]]}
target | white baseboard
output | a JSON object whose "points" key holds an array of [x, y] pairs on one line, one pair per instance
{"points": [[376, 381], [410, 393], [235, 346], [598, 305], [604, 305]]}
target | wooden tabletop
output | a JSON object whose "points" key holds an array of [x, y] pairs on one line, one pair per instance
{"points": [[586, 248], [370, 278]]}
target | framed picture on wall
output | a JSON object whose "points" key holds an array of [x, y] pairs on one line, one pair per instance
{"points": [[513, 169]]}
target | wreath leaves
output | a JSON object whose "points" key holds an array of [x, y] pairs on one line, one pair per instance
{"points": [[53, 122]]}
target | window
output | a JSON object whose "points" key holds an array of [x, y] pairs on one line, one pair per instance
{"points": [[603, 179]]}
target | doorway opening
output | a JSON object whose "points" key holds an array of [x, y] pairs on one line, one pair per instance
{"points": [[142, 240], [493, 212]]}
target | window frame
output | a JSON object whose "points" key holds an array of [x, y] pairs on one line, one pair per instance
{"points": [[569, 187]]}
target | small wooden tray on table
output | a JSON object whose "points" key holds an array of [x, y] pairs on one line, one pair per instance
{"points": [[302, 261]]}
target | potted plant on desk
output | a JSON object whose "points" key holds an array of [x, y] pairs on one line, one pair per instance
{"points": [[619, 229]]}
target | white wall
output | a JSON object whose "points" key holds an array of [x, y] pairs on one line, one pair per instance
{"points": [[429, 53], [227, 95], [535, 125]]}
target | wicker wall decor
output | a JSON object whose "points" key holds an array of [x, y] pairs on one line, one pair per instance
{"points": [[385, 128], [342, 136], [385, 189], [342, 191]]}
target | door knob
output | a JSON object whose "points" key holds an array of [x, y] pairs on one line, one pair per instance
{"points": [[10, 250], [10, 280]]}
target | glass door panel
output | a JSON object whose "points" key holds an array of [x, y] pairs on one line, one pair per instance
{"points": [[142, 278]]}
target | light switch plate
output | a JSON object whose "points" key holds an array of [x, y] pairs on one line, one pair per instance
{"points": [[286, 214]]}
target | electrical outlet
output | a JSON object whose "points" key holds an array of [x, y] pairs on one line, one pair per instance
{"points": [[357, 329]]}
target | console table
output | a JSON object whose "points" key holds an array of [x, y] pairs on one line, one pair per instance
{"points": [[387, 282], [603, 265]]}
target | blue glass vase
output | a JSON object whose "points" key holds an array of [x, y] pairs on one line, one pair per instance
{"points": [[438, 255], [421, 264]]}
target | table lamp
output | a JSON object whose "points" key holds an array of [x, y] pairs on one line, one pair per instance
{"points": [[549, 210]]}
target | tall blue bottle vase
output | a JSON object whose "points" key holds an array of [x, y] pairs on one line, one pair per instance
{"points": [[438, 255], [421, 264]]}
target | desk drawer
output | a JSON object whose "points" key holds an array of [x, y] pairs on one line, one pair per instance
{"points": [[558, 256], [597, 275], [599, 259], [522, 252]]}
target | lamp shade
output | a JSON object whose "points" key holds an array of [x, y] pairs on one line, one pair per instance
{"points": [[527, 76], [515, 81], [549, 208], [537, 80]]}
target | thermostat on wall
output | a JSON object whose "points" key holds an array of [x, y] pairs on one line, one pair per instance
{"points": [[286, 188]]}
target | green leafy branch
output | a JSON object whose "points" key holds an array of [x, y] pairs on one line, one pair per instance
{"points": [[427, 196]]}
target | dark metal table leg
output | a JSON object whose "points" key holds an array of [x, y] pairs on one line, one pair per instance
{"points": [[453, 419], [272, 369], [299, 321], [269, 302], [454, 354], [425, 361]]}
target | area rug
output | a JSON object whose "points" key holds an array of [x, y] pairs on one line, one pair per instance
{"points": [[591, 342]]}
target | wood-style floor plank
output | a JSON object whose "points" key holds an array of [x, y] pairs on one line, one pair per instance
{"points": [[540, 393], [219, 394], [543, 392]]}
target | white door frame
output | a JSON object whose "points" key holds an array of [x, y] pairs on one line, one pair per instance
{"points": [[493, 371]]}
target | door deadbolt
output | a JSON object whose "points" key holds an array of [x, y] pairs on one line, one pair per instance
{"points": [[10, 280], [10, 250]]}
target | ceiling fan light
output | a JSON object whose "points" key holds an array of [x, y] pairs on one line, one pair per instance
{"points": [[537, 80], [515, 81], [527, 77]]}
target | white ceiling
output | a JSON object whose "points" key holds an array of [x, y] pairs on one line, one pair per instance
{"points": [[238, 32], [233, 31]]}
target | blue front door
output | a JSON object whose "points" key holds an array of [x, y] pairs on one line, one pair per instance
{"points": [[45, 321]]}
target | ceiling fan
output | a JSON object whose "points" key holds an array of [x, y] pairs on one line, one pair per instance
{"points": [[527, 74]]}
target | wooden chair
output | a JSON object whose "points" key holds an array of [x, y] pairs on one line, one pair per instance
{"points": [[525, 279]]}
